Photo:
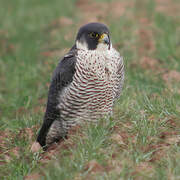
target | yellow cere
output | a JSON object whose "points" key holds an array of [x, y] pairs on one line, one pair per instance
{"points": [[101, 37]]}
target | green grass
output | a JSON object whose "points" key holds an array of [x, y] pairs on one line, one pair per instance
{"points": [[140, 141]]}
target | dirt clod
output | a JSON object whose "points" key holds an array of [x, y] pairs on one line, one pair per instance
{"points": [[34, 176], [93, 166], [35, 147]]}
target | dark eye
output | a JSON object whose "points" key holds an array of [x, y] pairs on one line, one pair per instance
{"points": [[94, 35]]}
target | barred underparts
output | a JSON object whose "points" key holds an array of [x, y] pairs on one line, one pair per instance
{"points": [[96, 84]]}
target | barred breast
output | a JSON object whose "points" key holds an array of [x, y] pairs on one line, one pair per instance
{"points": [[96, 84]]}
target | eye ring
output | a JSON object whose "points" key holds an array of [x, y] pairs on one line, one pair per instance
{"points": [[94, 35]]}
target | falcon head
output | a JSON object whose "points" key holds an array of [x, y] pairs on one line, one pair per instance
{"points": [[93, 36]]}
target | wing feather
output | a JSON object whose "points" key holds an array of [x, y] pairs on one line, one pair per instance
{"points": [[62, 77]]}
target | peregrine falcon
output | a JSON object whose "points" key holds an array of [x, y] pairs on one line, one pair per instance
{"points": [[85, 84]]}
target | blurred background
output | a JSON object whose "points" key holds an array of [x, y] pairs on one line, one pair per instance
{"points": [[35, 34]]}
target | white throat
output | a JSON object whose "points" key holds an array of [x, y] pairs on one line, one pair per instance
{"points": [[100, 46], [103, 47]]}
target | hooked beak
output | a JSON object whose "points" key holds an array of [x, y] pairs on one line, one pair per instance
{"points": [[104, 38]]}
